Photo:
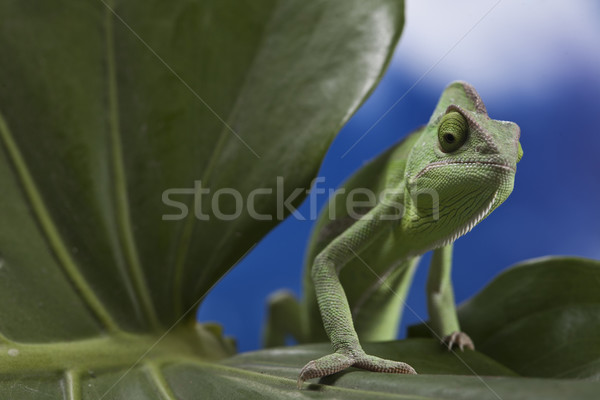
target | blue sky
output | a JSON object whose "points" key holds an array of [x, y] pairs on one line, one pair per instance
{"points": [[537, 64]]}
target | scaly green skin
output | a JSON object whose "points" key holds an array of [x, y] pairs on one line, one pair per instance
{"points": [[439, 182]]}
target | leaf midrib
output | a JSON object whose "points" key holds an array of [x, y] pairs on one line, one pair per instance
{"points": [[105, 352]]}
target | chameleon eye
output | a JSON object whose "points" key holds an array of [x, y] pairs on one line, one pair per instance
{"points": [[452, 132]]}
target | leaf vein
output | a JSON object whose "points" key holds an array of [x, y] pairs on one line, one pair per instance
{"points": [[120, 183], [51, 232]]}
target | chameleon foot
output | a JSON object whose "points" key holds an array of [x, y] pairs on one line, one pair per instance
{"points": [[458, 339], [332, 363]]}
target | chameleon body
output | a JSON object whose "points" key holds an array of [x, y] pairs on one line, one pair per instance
{"points": [[428, 190]]}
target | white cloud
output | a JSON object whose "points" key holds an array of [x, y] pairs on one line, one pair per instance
{"points": [[519, 46]]}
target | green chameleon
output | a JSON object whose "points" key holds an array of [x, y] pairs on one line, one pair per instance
{"points": [[420, 195]]}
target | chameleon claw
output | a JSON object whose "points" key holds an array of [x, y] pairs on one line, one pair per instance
{"points": [[459, 339]]}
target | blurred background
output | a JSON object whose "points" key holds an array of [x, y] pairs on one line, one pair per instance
{"points": [[536, 63]]}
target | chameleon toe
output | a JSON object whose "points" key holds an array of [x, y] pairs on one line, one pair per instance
{"points": [[327, 365], [458, 339], [376, 364]]}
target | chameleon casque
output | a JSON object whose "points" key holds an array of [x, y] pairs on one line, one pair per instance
{"points": [[429, 189]]}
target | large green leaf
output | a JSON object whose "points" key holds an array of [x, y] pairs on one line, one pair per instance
{"points": [[272, 374], [540, 318], [105, 105], [233, 383], [443, 375]]}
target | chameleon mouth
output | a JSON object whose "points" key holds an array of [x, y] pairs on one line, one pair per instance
{"points": [[466, 163]]}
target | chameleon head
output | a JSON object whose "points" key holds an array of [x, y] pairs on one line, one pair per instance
{"points": [[461, 168]]}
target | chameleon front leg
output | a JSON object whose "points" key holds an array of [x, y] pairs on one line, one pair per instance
{"points": [[334, 307], [440, 304]]}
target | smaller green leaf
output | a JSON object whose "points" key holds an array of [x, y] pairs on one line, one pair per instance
{"points": [[540, 318]]}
